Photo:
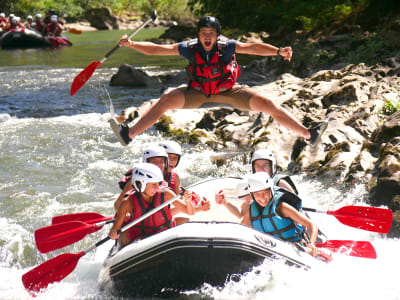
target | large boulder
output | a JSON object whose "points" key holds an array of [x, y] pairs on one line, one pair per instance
{"points": [[101, 18], [387, 189], [129, 76]]}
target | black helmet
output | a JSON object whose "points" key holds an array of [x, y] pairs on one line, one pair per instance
{"points": [[209, 21]]}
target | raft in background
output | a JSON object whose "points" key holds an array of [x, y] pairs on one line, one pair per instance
{"points": [[26, 38]]}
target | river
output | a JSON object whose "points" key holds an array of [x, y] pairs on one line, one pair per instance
{"points": [[58, 156]]}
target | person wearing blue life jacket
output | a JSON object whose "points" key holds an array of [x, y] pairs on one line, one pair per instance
{"points": [[212, 75], [263, 160], [271, 214]]}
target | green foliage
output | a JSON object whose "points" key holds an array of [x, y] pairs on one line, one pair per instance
{"points": [[270, 15], [74, 8], [390, 107]]}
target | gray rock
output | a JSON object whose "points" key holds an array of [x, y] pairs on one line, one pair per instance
{"points": [[131, 77]]}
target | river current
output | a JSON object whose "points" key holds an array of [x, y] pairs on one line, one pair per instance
{"points": [[58, 156]]}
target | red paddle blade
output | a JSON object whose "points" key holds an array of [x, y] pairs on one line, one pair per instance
{"points": [[53, 270], [75, 31], [60, 235], [86, 217], [364, 217], [83, 77], [352, 248]]}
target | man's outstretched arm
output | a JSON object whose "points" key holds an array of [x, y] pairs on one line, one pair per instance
{"points": [[149, 48], [263, 49]]}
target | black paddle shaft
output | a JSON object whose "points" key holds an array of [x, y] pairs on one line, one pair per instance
{"points": [[153, 18]]}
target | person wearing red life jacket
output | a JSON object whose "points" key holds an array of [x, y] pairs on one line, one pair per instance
{"points": [[174, 152], [155, 155], [3, 22], [158, 156], [39, 24], [212, 80], [147, 195], [54, 28]]}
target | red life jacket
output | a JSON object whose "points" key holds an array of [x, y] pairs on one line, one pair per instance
{"points": [[171, 179], [213, 77], [157, 222], [53, 28]]}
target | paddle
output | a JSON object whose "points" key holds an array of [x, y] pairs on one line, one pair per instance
{"points": [[59, 267], [57, 236], [68, 229], [352, 248], [85, 75], [362, 217], [75, 31], [87, 217]]}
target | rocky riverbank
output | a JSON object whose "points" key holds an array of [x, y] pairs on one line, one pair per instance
{"points": [[360, 146]]}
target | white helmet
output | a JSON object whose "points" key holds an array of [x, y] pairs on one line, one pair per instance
{"points": [[39, 16], [242, 189], [29, 17], [264, 154], [172, 147], [260, 181], [2, 15], [156, 151], [145, 173], [53, 18]]}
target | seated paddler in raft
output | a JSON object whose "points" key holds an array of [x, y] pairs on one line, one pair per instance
{"points": [[263, 160], [271, 213], [158, 156], [148, 194], [212, 80]]}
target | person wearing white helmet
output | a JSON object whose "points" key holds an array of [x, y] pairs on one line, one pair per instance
{"points": [[3, 22], [146, 178], [158, 156], [39, 24], [263, 160], [271, 213], [29, 22], [242, 192], [16, 23], [174, 152], [54, 28], [155, 155]]}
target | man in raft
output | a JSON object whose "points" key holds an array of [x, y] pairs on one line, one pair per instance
{"points": [[212, 73]]}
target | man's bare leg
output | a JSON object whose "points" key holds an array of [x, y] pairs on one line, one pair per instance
{"points": [[279, 114], [172, 100]]}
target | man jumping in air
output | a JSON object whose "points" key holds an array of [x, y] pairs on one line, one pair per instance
{"points": [[212, 72]]}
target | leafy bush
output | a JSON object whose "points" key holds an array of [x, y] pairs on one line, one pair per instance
{"points": [[73, 9], [390, 107]]}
